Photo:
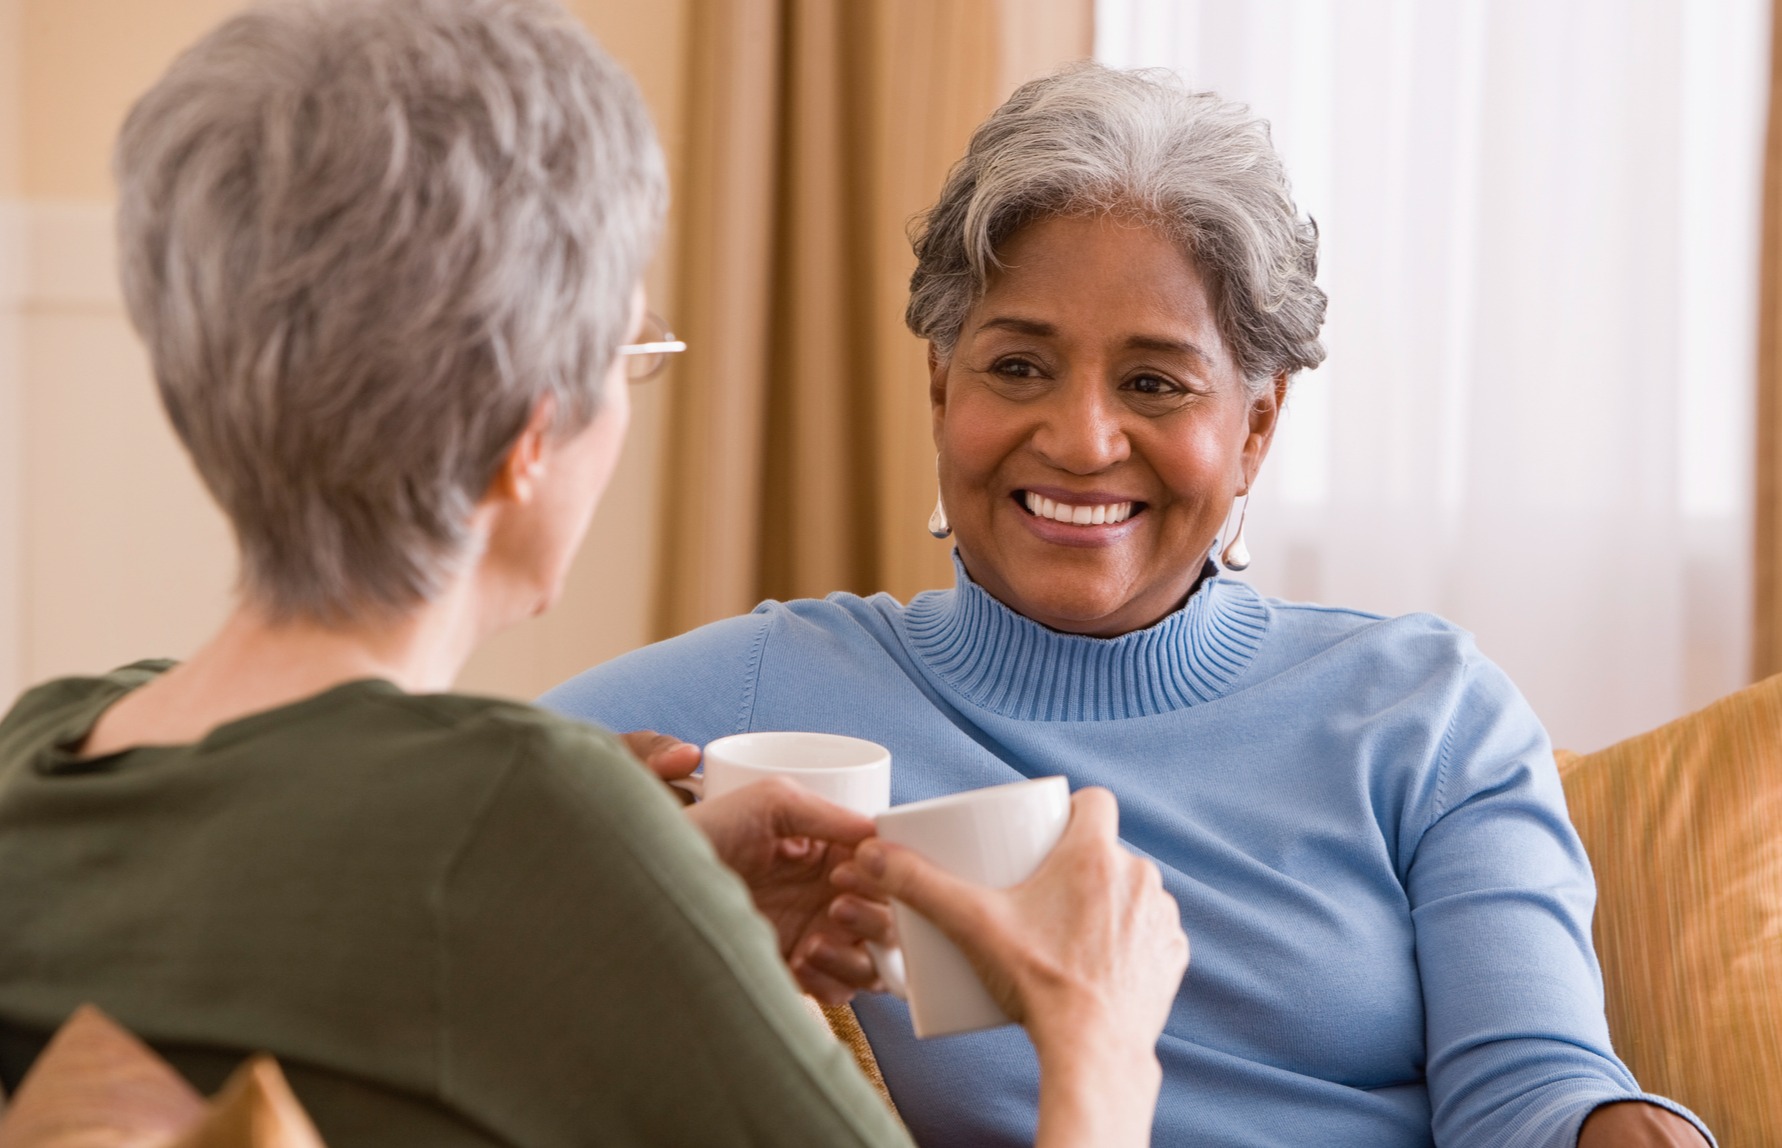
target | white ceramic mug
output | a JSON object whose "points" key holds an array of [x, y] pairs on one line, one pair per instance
{"points": [[851, 772], [996, 837]]}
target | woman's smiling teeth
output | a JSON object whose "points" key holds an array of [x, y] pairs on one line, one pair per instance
{"points": [[1093, 515]]}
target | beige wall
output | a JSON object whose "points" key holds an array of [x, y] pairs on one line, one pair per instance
{"points": [[109, 549], [85, 60], [12, 94], [11, 300]]}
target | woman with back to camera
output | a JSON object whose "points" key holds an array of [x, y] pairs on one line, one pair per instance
{"points": [[385, 255], [1359, 816]]}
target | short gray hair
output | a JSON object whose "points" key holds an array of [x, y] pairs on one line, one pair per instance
{"points": [[363, 240], [1090, 139]]}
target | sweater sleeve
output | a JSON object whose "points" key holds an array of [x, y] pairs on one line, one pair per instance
{"points": [[1501, 896], [604, 980], [697, 687]]}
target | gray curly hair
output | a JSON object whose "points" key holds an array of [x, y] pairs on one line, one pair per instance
{"points": [[1091, 139], [363, 241]]}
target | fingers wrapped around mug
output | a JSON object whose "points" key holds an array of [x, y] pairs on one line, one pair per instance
{"points": [[831, 964], [669, 758], [1090, 943], [785, 844]]}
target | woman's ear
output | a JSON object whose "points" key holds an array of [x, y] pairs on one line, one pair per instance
{"points": [[1265, 416], [516, 479]]}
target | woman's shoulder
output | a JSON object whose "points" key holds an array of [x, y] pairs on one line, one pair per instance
{"points": [[566, 772], [700, 684], [365, 734], [530, 739], [1319, 622], [58, 694], [65, 707], [1420, 648]]}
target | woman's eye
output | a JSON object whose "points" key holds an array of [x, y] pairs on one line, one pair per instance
{"points": [[1014, 369], [1154, 385]]}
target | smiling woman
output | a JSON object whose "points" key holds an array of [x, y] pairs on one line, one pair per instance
{"points": [[1093, 426], [1359, 816]]}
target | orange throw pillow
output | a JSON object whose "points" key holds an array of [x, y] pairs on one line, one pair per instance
{"points": [[255, 1109], [1684, 830], [97, 1086]]}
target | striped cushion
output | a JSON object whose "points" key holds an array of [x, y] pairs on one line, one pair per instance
{"points": [[1684, 829]]}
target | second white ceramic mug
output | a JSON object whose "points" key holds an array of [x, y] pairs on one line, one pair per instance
{"points": [[851, 772], [997, 837]]}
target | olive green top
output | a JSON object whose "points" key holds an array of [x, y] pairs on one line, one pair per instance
{"points": [[454, 920]]}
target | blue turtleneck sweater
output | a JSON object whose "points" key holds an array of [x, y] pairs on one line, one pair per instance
{"points": [[1388, 910]]}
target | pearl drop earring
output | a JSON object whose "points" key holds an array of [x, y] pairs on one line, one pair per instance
{"points": [[1236, 556], [937, 521]]}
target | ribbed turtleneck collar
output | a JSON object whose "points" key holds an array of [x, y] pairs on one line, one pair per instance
{"points": [[1016, 667]]}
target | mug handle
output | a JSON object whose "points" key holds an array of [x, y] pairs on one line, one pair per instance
{"points": [[889, 961]]}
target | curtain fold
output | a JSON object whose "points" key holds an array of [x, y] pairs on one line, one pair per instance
{"points": [[800, 459], [1766, 644]]}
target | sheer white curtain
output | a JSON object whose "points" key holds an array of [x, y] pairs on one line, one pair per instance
{"points": [[1540, 223]]}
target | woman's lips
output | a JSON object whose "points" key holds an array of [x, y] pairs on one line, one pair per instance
{"points": [[1076, 513], [1089, 519]]}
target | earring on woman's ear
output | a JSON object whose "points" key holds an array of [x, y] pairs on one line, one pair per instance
{"points": [[1236, 556], [937, 521]]}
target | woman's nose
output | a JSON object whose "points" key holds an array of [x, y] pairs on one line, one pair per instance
{"points": [[1080, 429]]}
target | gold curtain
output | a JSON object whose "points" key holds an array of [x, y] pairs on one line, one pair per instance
{"points": [[799, 455], [1766, 646]]}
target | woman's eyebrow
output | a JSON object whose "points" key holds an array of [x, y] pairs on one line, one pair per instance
{"points": [[1020, 326], [1042, 329], [1167, 346]]}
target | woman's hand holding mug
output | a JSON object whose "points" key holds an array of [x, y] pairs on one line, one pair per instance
{"points": [[1087, 954], [784, 842]]}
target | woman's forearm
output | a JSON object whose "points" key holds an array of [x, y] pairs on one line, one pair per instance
{"points": [[1097, 1091]]}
